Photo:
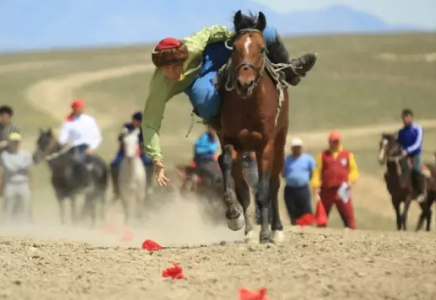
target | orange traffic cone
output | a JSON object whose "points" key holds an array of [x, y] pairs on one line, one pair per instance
{"points": [[320, 215]]}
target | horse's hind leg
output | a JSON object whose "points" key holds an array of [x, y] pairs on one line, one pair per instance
{"points": [[73, 210], [243, 195], [235, 218]]}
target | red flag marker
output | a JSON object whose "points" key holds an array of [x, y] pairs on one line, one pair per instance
{"points": [[320, 214], [127, 236], [175, 272], [305, 220], [151, 245], [245, 294]]}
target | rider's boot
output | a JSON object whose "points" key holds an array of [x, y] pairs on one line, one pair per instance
{"points": [[114, 176], [299, 66]]}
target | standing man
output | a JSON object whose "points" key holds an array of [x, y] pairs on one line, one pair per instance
{"points": [[15, 177], [6, 126], [297, 171], [81, 132], [335, 173], [410, 139]]}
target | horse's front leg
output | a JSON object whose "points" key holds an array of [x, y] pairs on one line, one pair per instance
{"points": [[243, 196], [235, 218], [61, 203], [405, 213], [265, 163], [396, 203]]}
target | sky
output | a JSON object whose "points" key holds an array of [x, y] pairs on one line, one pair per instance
{"points": [[35, 24], [421, 13]]}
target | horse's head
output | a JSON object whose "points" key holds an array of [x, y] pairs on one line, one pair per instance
{"points": [[388, 146], [249, 51], [130, 142], [45, 144]]}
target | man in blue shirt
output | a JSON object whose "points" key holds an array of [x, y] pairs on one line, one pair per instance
{"points": [[205, 150], [410, 138], [148, 163], [297, 171]]}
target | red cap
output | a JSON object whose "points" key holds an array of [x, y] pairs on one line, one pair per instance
{"points": [[78, 103], [335, 136], [168, 43]]}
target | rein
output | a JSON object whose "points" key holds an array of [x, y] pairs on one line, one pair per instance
{"points": [[55, 155]]}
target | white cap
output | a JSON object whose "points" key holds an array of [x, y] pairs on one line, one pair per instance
{"points": [[296, 142]]}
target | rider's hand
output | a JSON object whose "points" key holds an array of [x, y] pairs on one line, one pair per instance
{"points": [[404, 153], [89, 151], [159, 173], [3, 144], [316, 193]]}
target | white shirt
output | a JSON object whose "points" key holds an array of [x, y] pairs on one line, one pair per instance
{"points": [[81, 130]]}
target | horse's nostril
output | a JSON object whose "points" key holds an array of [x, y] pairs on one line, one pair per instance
{"points": [[246, 68]]}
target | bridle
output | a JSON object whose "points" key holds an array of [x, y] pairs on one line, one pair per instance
{"points": [[257, 70]]}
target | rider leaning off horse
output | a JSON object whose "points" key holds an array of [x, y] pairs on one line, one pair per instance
{"points": [[190, 66], [410, 139], [80, 132], [136, 122]]}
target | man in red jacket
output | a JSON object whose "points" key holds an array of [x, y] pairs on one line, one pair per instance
{"points": [[336, 172]]}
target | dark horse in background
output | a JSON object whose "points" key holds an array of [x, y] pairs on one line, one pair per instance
{"points": [[401, 188], [254, 117], [66, 180]]}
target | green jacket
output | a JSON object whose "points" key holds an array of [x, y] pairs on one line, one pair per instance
{"points": [[163, 89]]}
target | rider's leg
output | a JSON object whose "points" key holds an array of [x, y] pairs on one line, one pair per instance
{"points": [[277, 53], [204, 97], [420, 183]]}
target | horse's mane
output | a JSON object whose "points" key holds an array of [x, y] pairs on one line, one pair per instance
{"points": [[246, 22]]}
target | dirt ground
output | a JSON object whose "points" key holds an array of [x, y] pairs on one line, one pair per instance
{"points": [[48, 261]]}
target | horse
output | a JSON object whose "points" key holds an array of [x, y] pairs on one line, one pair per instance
{"points": [[254, 117], [399, 187], [132, 175], [65, 178]]}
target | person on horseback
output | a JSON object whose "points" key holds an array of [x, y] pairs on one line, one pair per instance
{"points": [[190, 66], [205, 150], [410, 138], [81, 132], [136, 122]]}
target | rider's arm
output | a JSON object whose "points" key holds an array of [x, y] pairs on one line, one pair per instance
{"points": [[418, 142], [94, 133], [64, 134], [353, 174], [216, 33], [316, 175], [160, 92]]}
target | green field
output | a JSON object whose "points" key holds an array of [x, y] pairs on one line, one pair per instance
{"points": [[358, 81]]}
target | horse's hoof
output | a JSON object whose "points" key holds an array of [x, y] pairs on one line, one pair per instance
{"points": [[278, 236], [250, 238], [236, 224], [265, 238]]}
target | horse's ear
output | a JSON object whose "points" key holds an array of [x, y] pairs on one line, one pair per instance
{"points": [[237, 20], [261, 22]]}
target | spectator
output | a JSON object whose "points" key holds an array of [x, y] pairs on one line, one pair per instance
{"points": [[16, 177], [335, 173], [6, 126], [297, 171]]}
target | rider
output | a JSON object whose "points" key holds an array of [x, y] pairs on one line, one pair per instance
{"points": [[410, 140], [190, 65], [130, 126], [205, 150], [80, 132]]}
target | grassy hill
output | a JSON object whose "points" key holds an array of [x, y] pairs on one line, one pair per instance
{"points": [[358, 81]]}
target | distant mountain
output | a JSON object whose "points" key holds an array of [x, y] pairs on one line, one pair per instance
{"points": [[76, 23]]}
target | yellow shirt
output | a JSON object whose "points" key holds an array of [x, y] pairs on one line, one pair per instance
{"points": [[352, 165]]}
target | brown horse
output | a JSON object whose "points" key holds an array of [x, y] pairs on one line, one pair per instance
{"points": [[254, 117], [400, 187]]}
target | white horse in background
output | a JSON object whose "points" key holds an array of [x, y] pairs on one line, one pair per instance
{"points": [[132, 176]]}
